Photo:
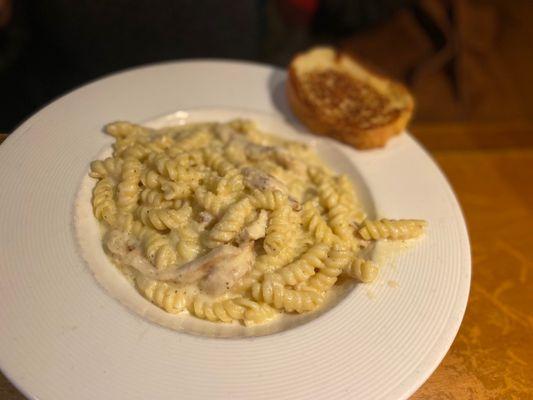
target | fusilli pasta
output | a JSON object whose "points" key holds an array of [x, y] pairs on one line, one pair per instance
{"points": [[391, 229], [273, 292], [230, 224]]}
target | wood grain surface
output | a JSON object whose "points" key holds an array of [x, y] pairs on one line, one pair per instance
{"points": [[492, 356], [491, 170]]}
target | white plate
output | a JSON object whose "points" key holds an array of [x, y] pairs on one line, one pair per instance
{"points": [[62, 335]]}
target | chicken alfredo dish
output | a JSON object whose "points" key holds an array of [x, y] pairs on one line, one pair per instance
{"points": [[231, 224]]}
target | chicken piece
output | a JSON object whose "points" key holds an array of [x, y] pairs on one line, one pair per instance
{"points": [[257, 152], [257, 179], [119, 244], [228, 271], [187, 273], [288, 161], [205, 218], [225, 132], [295, 204], [222, 267], [138, 261], [255, 230], [279, 155], [116, 242], [197, 269]]}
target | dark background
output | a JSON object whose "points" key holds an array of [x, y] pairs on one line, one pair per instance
{"points": [[463, 59]]}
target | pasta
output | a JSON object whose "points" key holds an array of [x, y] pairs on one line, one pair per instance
{"points": [[230, 224], [169, 297], [246, 310], [164, 219], [392, 229], [362, 270], [278, 230], [316, 224], [154, 198], [348, 198], [128, 188], [157, 248], [188, 246], [227, 223], [303, 268], [108, 167], [268, 200], [337, 260], [104, 205], [273, 292]]}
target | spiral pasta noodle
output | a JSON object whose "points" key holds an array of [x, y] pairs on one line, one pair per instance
{"points": [[246, 310], [164, 219], [109, 167], [158, 248], [171, 298], [392, 229], [231, 223], [273, 292], [362, 270], [303, 268], [338, 258], [104, 205], [316, 224], [278, 230], [128, 188]]}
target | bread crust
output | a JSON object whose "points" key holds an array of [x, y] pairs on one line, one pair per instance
{"points": [[342, 129]]}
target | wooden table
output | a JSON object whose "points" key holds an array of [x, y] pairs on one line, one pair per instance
{"points": [[490, 166], [491, 170]]}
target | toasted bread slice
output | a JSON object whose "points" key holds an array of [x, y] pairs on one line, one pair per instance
{"points": [[334, 95]]}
